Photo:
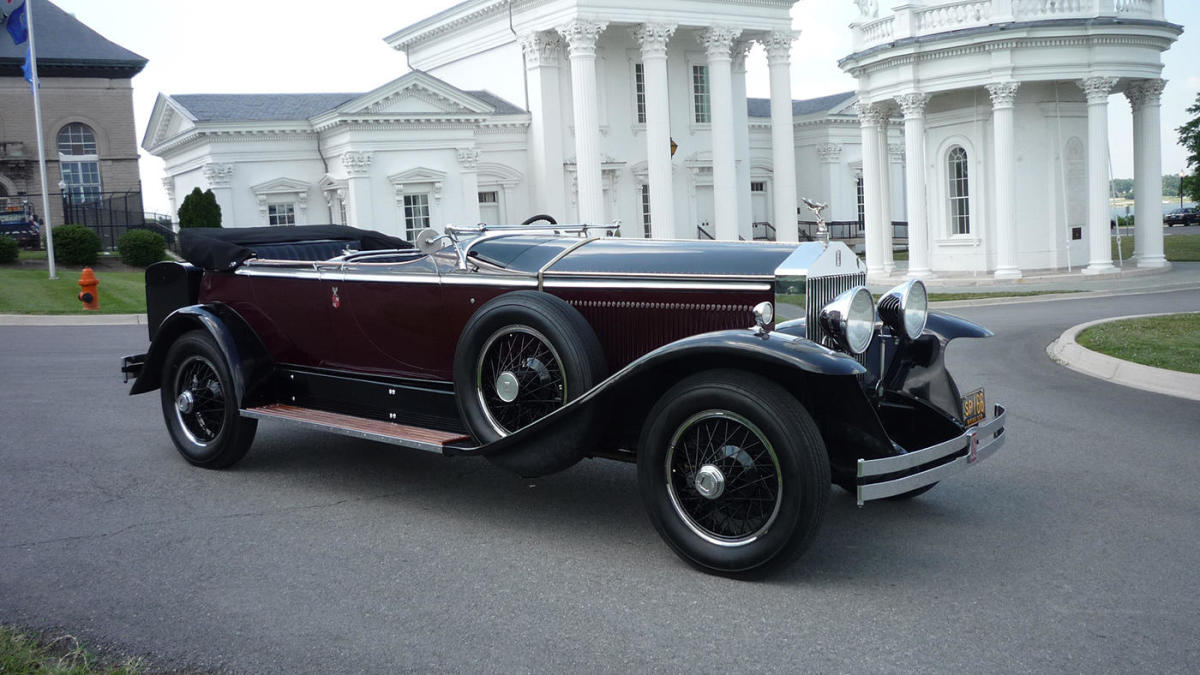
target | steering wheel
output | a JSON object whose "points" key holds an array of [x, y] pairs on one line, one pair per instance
{"points": [[541, 216]]}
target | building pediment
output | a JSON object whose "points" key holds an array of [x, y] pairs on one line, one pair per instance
{"points": [[168, 120], [416, 93], [280, 186]]}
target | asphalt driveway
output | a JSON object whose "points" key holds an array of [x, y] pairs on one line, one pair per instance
{"points": [[1073, 549]]}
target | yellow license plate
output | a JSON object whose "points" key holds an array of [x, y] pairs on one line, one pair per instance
{"points": [[973, 408]]}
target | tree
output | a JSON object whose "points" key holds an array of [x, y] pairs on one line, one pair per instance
{"points": [[1189, 138], [200, 209]]}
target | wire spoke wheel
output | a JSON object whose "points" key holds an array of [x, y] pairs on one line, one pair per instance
{"points": [[519, 378], [199, 400], [723, 478]]}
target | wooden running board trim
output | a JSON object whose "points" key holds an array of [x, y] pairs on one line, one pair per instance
{"points": [[431, 440]]}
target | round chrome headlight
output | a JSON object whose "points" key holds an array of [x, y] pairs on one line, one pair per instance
{"points": [[850, 319], [905, 309]]}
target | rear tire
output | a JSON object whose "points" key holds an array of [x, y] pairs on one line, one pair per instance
{"points": [[733, 473], [199, 405]]}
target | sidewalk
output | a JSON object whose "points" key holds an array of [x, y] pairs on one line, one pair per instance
{"points": [[1130, 279]]}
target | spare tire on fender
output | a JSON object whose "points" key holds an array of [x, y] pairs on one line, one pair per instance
{"points": [[522, 356]]}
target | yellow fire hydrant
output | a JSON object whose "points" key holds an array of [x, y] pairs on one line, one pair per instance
{"points": [[89, 293]]}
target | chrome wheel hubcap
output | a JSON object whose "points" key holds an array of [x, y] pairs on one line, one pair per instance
{"points": [[507, 386], [185, 402], [710, 482]]}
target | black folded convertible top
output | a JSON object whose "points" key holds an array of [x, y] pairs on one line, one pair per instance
{"points": [[218, 249]]}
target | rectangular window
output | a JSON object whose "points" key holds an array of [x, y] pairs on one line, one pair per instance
{"points": [[81, 180], [700, 103], [489, 198], [960, 201], [862, 209], [758, 186], [416, 214], [639, 86], [644, 193], [281, 214]]}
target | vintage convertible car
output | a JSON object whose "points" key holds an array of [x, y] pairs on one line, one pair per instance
{"points": [[742, 377]]}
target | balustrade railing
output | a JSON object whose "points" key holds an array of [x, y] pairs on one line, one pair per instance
{"points": [[931, 17]]}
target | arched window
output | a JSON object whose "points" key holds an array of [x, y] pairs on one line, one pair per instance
{"points": [[79, 161], [960, 200]]}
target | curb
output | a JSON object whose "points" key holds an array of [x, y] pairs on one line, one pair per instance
{"points": [[1067, 352], [72, 320]]}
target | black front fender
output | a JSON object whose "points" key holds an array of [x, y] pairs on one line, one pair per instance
{"points": [[629, 393], [245, 354]]}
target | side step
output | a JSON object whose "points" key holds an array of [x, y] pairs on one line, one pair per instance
{"points": [[430, 440]]}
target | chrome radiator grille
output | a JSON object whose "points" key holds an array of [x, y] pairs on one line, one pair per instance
{"points": [[820, 291]]}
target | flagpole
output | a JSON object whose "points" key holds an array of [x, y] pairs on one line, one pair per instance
{"points": [[37, 115]]}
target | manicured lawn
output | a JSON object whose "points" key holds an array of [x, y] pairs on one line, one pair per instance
{"points": [[28, 290], [22, 653], [1177, 248], [1171, 342]]}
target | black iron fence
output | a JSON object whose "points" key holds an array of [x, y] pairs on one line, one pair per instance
{"points": [[850, 229], [112, 214]]}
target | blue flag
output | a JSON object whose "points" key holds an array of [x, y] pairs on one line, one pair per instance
{"points": [[27, 67], [18, 26]]}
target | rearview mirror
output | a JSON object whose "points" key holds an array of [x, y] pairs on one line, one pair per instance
{"points": [[429, 240]]}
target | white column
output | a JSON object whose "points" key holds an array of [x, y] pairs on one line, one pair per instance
{"points": [[220, 179], [830, 155], [718, 42], [1099, 237], [1145, 100], [885, 186], [783, 141], [581, 41], [1003, 94], [873, 235], [653, 38], [358, 185], [543, 52], [913, 107], [168, 183], [468, 162], [741, 124]]}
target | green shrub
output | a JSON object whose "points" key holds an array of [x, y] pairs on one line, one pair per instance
{"points": [[141, 247], [200, 209], [8, 249], [76, 245]]}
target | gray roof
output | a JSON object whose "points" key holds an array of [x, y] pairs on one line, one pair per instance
{"points": [[761, 107], [66, 47], [259, 107], [290, 107], [502, 106]]}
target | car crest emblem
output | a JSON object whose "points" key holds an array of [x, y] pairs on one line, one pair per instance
{"points": [[336, 301], [973, 453], [837, 258]]}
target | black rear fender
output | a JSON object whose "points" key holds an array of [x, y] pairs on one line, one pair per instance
{"points": [[249, 362]]}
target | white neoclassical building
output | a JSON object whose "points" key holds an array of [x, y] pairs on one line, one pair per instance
{"points": [[1004, 107], [968, 133]]}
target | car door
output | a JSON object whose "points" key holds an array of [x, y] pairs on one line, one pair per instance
{"points": [[387, 316]]}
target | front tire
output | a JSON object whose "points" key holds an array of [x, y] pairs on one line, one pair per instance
{"points": [[733, 473], [199, 405]]}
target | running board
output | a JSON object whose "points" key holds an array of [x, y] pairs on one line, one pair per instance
{"points": [[430, 440]]}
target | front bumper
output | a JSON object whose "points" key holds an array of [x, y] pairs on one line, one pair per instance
{"points": [[891, 476]]}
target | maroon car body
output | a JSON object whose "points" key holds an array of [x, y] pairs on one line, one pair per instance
{"points": [[537, 347]]}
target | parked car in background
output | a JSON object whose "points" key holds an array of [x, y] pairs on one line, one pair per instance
{"points": [[742, 378], [1188, 215], [18, 222]]}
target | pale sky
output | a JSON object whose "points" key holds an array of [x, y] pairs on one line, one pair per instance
{"points": [[291, 46]]}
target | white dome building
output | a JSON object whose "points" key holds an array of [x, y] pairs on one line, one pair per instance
{"points": [[1004, 106]]}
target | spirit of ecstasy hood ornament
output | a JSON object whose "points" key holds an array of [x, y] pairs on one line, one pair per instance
{"points": [[822, 229]]}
